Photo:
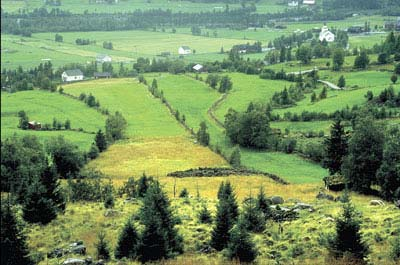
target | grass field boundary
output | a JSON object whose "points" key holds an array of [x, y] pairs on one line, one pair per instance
{"points": [[217, 172]]}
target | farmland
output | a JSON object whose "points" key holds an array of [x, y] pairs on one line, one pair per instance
{"points": [[312, 167], [43, 107]]}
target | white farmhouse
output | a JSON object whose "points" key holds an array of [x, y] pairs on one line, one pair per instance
{"points": [[198, 67], [293, 3], [72, 75], [103, 58], [183, 50], [325, 34], [309, 2]]}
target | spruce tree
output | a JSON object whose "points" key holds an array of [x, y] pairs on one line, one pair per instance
{"points": [[252, 217], [143, 185], [364, 155], [127, 242], [336, 147], [51, 183], [227, 213], [160, 238], [14, 249], [347, 239], [341, 82], [37, 208], [323, 93], [203, 137], [240, 246], [103, 251], [263, 204], [388, 174], [93, 151], [205, 215], [101, 141], [234, 160]]}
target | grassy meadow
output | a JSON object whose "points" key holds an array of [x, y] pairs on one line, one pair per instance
{"points": [[85, 221], [156, 143], [193, 99], [43, 106]]}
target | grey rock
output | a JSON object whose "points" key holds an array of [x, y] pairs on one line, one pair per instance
{"points": [[277, 200]]}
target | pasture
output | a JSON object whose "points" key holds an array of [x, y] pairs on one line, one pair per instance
{"points": [[193, 98], [156, 143], [43, 106]]}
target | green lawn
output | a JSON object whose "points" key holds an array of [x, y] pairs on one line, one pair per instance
{"points": [[43, 106], [193, 98]]}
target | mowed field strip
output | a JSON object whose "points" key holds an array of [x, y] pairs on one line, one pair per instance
{"points": [[195, 97], [43, 106], [156, 144]]}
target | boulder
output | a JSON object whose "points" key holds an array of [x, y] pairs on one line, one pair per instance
{"points": [[303, 206], [277, 200], [376, 203], [112, 213], [335, 182], [73, 261], [397, 203], [322, 195]]}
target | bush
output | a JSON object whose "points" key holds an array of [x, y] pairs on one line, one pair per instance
{"points": [[296, 250], [205, 215], [184, 193]]}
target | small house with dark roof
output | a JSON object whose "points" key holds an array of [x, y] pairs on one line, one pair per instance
{"points": [[184, 50], [98, 75], [72, 75]]}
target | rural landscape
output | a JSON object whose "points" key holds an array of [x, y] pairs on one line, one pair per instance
{"points": [[200, 132]]}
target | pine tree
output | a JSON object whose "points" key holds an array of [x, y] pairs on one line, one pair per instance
{"points": [[159, 239], [203, 137], [184, 193], [227, 213], [127, 242], [14, 249], [252, 217], [388, 174], [51, 183], [348, 237], [103, 251], [336, 147], [205, 215], [234, 160], [37, 208], [240, 246], [263, 204]]}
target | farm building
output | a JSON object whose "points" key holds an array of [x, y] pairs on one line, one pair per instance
{"points": [[34, 125], [293, 3], [98, 75], [198, 67], [72, 75], [355, 29], [308, 2], [103, 58], [325, 34], [184, 50]]}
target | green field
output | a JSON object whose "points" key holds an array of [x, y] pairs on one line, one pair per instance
{"points": [[193, 98], [43, 106], [80, 6]]}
